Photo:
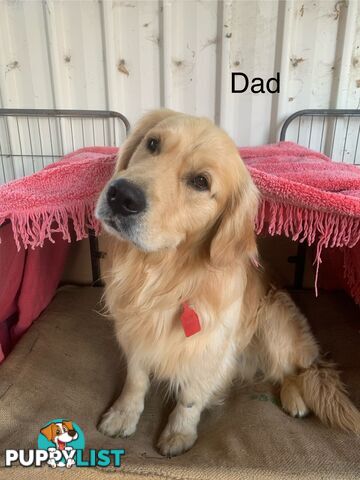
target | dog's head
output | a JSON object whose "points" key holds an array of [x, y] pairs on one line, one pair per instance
{"points": [[60, 433], [179, 180]]}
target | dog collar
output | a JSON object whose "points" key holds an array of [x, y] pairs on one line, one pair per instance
{"points": [[190, 321]]}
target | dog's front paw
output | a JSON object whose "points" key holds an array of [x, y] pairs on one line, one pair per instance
{"points": [[119, 423], [171, 444]]}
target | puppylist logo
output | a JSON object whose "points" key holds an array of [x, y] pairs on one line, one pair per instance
{"points": [[61, 443]]}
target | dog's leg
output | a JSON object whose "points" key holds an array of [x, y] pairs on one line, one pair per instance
{"points": [[180, 432], [122, 418], [287, 346], [290, 356], [195, 394]]}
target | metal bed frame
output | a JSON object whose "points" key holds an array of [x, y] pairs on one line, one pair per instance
{"points": [[325, 141], [327, 132], [54, 134], [30, 139], [50, 134]]}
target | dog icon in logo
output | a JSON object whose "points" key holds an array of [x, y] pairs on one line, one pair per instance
{"points": [[60, 434]]}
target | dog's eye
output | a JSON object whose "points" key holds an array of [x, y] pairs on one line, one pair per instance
{"points": [[153, 144], [58, 432], [199, 182]]}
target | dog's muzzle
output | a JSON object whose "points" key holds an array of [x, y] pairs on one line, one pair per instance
{"points": [[125, 198], [121, 209]]}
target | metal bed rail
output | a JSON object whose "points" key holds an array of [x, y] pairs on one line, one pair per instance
{"points": [[334, 132], [31, 139]]}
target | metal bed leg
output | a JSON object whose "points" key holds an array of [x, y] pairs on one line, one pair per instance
{"points": [[95, 256], [299, 261]]}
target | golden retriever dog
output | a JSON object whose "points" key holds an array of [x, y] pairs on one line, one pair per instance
{"points": [[190, 303]]}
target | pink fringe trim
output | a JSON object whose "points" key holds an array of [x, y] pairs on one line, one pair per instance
{"points": [[302, 224], [31, 229], [326, 230]]}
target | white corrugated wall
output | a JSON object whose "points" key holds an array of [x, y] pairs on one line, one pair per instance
{"points": [[131, 56]]}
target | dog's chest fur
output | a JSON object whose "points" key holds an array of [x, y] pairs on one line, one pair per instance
{"points": [[146, 301]]}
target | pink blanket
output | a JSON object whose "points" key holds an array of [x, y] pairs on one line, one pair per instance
{"points": [[309, 198], [40, 207], [304, 196], [29, 279], [42, 204]]}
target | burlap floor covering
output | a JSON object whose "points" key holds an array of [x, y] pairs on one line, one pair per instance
{"points": [[68, 365]]}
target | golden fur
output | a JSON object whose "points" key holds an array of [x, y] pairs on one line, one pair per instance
{"points": [[199, 247]]}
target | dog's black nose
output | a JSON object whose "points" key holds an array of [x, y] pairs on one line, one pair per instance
{"points": [[72, 433], [125, 198]]}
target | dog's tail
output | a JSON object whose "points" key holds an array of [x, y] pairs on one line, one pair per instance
{"points": [[325, 394]]}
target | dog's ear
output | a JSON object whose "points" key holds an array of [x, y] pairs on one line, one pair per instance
{"points": [[47, 431], [235, 230], [68, 424], [147, 122]]}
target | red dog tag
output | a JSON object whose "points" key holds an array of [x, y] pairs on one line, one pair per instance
{"points": [[190, 321]]}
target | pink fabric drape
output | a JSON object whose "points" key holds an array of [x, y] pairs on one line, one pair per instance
{"points": [[311, 199], [46, 211], [28, 282]]}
